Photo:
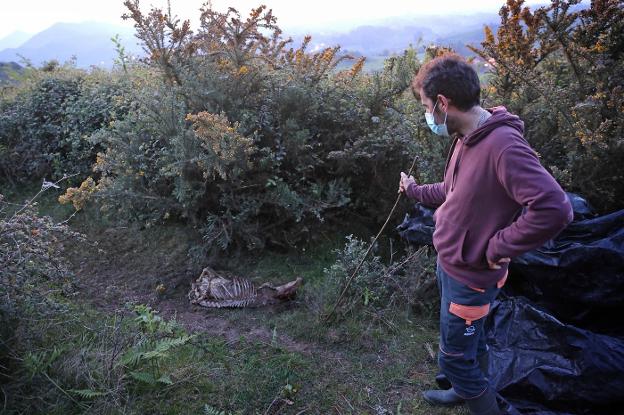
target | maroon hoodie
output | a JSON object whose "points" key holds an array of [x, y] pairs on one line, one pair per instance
{"points": [[490, 175]]}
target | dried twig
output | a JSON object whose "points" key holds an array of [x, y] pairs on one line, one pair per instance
{"points": [[45, 186], [429, 350]]}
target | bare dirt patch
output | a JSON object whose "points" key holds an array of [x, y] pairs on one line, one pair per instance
{"points": [[129, 264]]}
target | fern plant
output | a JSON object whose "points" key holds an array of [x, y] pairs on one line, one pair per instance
{"points": [[88, 393], [144, 362]]}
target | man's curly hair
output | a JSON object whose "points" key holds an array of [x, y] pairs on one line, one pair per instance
{"points": [[451, 76]]}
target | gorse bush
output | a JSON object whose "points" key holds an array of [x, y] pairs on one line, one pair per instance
{"points": [[45, 126], [561, 69], [251, 141]]}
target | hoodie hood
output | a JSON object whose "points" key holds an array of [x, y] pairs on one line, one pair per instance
{"points": [[500, 117]]}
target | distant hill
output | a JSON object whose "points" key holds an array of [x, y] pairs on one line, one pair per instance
{"points": [[370, 40], [90, 42], [6, 68], [393, 35], [14, 40], [472, 37]]}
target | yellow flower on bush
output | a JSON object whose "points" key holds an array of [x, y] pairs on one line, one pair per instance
{"points": [[599, 47], [328, 55], [79, 196], [217, 135], [357, 67]]}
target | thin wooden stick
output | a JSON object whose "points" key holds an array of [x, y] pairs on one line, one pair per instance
{"points": [[344, 290]]}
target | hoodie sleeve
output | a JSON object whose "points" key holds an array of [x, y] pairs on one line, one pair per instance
{"points": [[548, 210], [432, 195]]}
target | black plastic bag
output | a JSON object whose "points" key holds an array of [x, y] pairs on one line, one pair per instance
{"points": [[418, 225], [543, 366], [581, 207], [579, 275]]}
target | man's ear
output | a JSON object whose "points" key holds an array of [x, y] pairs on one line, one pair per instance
{"points": [[443, 103]]}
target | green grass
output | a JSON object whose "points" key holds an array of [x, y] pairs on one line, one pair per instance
{"points": [[368, 363], [369, 373]]}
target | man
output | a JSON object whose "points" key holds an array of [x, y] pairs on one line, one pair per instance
{"points": [[495, 203]]}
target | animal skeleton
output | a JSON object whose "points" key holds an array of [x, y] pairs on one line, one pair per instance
{"points": [[215, 291]]}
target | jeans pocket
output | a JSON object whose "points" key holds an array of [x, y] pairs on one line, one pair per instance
{"points": [[460, 337]]}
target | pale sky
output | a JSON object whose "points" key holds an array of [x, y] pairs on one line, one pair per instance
{"points": [[35, 15]]}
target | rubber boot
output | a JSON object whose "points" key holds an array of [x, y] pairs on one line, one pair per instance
{"points": [[443, 397], [482, 359], [485, 404]]}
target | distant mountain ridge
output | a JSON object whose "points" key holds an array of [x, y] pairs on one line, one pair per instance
{"points": [[14, 39], [370, 40], [410, 28], [91, 41]]}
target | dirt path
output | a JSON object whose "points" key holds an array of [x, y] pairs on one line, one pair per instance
{"points": [[128, 265]]}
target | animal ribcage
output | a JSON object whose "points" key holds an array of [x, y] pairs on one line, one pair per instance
{"points": [[237, 292]]}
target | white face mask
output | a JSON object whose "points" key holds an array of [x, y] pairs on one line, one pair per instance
{"points": [[439, 129]]}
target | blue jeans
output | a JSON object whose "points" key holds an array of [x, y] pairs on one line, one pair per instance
{"points": [[463, 310]]}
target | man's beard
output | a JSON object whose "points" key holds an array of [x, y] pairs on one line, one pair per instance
{"points": [[450, 127]]}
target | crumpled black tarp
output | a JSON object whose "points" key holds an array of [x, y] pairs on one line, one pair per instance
{"points": [[579, 275], [551, 351], [581, 207], [541, 365]]}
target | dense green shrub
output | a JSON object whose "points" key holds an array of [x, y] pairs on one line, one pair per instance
{"points": [[379, 288], [249, 140], [45, 125]]}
